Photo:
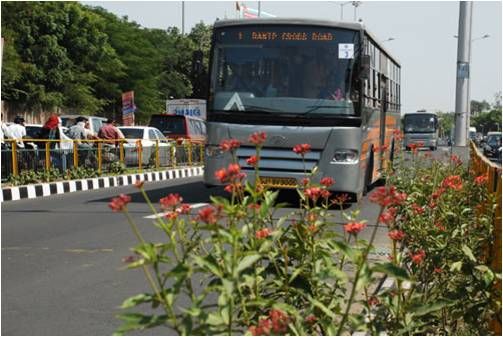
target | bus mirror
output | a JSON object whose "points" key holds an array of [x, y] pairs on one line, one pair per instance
{"points": [[365, 67]]}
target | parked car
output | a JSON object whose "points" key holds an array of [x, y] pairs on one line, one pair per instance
{"points": [[95, 122], [492, 146], [180, 127], [148, 137]]}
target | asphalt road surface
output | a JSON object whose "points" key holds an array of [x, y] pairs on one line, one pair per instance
{"points": [[62, 257]]}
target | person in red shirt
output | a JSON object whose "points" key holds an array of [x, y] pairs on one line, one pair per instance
{"points": [[110, 132]]}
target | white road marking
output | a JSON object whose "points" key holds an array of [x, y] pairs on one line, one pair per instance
{"points": [[160, 215]]}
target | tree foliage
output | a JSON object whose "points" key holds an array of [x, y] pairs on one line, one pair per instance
{"points": [[80, 58]]}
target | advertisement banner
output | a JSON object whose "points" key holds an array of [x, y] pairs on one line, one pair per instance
{"points": [[128, 108], [187, 107]]}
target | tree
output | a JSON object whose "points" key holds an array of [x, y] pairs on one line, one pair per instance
{"points": [[446, 122], [477, 107]]}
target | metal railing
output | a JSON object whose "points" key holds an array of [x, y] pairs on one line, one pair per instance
{"points": [[100, 155], [481, 165]]}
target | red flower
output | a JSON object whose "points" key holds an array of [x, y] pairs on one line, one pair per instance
{"points": [[263, 233], [129, 259], [208, 215], [398, 135], [119, 203], [327, 181], [373, 301], [387, 196], [302, 149], [388, 216], [418, 257], [263, 328], [279, 321], [438, 193], [456, 160], [254, 207], [417, 209], [341, 199], [234, 187], [482, 179], [439, 226], [139, 183], [229, 144], [171, 215], [312, 228], [453, 182], [252, 161], [257, 138], [171, 201], [311, 319], [233, 169], [354, 227], [184, 209], [221, 175], [304, 181], [438, 270], [313, 193], [325, 194], [396, 235]]}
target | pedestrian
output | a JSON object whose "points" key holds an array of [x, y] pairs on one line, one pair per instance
{"points": [[112, 136], [110, 132], [78, 133], [17, 131]]}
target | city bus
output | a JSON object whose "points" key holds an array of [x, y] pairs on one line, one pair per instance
{"points": [[421, 127], [329, 84]]}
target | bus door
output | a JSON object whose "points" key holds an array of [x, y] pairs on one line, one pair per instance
{"points": [[383, 92]]}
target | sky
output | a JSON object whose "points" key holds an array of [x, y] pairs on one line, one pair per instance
{"points": [[422, 31]]}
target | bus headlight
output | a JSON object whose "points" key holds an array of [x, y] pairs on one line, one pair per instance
{"points": [[213, 151], [345, 156]]}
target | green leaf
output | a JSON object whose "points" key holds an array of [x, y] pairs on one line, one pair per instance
{"points": [[247, 261], [344, 249], [208, 264], [456, 266], [322, 307], [392, 270], [295, 273], [135, 300], [214, 319], [468, 252], [135, 321], [430, 307]]}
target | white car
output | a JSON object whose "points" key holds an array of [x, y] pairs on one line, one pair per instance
{"points": [[148, 137]]}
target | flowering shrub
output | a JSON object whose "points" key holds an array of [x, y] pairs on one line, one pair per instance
{"points": [[440, 235], [235, 268]]}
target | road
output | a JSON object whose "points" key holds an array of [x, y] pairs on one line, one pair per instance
{"points": [[62, 256]]}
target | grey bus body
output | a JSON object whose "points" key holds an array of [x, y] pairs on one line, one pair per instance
{"points": [[327, 84], [421, 127]]}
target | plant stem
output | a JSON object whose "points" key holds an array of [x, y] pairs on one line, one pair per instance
{"points": [[357, 275]]}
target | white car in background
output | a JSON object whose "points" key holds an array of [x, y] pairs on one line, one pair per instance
{"points": [[148, 137]]}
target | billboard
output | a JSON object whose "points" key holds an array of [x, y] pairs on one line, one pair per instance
{"points": [[128, 108], [187, 107]]}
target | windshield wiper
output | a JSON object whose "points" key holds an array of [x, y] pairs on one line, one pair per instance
{"points": [[259, 108], [316, 107]]}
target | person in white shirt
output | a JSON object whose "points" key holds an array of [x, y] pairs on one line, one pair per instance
{"points": [[17, 131]]}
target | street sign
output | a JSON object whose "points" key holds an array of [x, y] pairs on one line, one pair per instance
{"points": [[187, 107]]}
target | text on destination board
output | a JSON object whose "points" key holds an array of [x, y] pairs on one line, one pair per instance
{"points": [[290, 36]]}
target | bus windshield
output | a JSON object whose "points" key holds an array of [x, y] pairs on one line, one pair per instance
{"points": [[424, 123], [283, 69]]}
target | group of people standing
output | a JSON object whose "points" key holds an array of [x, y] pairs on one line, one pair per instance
{"points": [[80, 132]]}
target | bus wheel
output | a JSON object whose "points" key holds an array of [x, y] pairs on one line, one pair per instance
{"points": [[368, 173], [433, 148]]}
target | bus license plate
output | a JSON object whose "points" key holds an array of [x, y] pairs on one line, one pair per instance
{"points": [[279, 182]]}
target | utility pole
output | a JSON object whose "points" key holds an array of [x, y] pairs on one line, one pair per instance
{"points": [[183, 17], [463, 73]]}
